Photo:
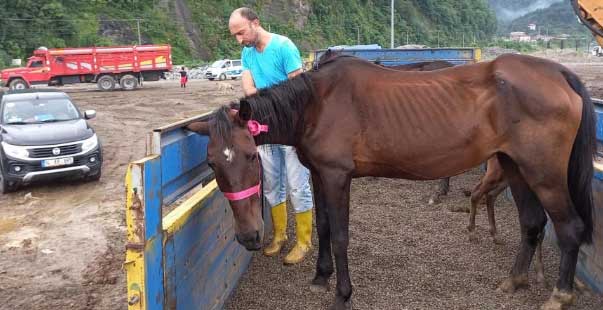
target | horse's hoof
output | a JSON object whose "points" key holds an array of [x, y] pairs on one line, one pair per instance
{"points": [[459, 209], [511, 284], [496, 240], [559, 300], [318, 288], [342, 305], [540, 279], [319, 285], [472, 237]]}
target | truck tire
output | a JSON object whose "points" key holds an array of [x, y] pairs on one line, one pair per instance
{"points": [[128, 82], [222, 77], [105, 83], [18, 84]]}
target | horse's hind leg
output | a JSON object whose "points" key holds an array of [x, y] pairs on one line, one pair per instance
{"points": [[476, 196], [490, 199], [538, 264], [532, 220], [490, 186], [442, 190]]}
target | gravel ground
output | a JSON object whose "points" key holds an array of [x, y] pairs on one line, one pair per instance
{"points": [[406, 254]]}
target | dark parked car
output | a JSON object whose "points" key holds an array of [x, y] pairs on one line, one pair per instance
{"points": [[44, 136]]}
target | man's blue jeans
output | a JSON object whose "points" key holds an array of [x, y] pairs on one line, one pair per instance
{"points": [[285, 175]]}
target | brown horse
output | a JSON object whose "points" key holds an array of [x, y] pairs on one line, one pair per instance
{"points": [[351, 118], [444, 185]]}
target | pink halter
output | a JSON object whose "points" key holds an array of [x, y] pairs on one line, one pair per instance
{"points": [[255, 128]]}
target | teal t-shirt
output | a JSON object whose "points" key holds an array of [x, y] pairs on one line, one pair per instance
{"points": [[270, 67]]}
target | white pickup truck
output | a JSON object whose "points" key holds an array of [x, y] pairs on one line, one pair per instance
{"points": [[224, 69]]}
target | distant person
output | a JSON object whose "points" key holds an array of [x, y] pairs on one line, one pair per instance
{"points": [[183, 77]]}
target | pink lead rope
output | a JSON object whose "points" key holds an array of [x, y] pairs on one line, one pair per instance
{"points": [[255, 128]]}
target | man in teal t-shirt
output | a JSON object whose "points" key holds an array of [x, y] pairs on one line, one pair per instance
{"points": [[268, 59]]}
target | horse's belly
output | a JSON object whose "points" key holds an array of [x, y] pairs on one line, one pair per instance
{"points": [[364, 169]]}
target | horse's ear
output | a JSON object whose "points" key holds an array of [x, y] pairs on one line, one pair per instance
{"points": [[244, 110], [201, 128]]}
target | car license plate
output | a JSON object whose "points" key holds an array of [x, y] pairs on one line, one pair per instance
{"points": [[57, 162]]}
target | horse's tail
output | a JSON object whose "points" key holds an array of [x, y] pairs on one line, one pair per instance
{"points": [[580, 170]]}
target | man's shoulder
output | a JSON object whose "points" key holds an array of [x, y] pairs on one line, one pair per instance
{"points": [[282, 40]]}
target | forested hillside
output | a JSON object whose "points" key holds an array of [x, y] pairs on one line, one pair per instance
{"points": [[197, 29]]}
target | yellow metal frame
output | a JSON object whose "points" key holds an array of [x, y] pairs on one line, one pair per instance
{"points": [[134, 263], [179, 216]]}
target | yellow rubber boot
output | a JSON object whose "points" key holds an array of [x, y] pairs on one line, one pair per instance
{"points": [[279, 223], [303, 246]]}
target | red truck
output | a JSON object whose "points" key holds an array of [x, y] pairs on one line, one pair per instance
{"points": [[127, 66]]}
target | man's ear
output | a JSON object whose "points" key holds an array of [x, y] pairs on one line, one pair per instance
{"points": [[201, 128], [244, 110]]}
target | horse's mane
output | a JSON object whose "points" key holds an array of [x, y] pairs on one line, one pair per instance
{"points": [[278, 107]]}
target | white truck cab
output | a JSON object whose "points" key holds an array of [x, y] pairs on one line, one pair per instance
{"points": [[224, 69]]}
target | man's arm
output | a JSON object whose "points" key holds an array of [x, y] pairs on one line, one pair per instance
{"points": [[248, 84], [295, 73]]}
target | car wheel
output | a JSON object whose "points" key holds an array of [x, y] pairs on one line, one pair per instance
{"points": [[222, 77], [5, 186], [128, 82], [93, 177], [18, 84], [106, 83]]}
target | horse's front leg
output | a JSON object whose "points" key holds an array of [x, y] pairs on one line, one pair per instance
{"points": [[324, 264], [336, 187]]}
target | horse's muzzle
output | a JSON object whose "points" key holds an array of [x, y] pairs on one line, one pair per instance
{"points": [[251, 241]]}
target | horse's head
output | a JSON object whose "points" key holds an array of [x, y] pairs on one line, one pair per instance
{"points": [[233, 156]]}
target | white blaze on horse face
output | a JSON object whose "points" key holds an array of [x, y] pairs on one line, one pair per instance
{"points": [[229, 154]]}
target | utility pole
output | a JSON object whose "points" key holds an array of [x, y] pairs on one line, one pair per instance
{"points": [[392, 26], [358, 35], [138, 28], [438, 38], [406, 37], [463, 39]]}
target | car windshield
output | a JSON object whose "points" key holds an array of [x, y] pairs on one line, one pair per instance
{"points": [[37, 111], [217, 64]]}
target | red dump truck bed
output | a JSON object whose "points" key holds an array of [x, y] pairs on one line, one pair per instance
{"points": [[105, 66]]}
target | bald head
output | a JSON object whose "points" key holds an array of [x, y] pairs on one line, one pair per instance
{"points": [[245, 13], [244, 25]]}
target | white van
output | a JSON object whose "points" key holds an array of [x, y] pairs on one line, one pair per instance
{"points": [[223, 69]]}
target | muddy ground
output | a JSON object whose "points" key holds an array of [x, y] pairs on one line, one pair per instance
{"points": [[62, 244]]}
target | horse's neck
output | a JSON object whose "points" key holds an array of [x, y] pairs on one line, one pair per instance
{"points": [[279, 132]]}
